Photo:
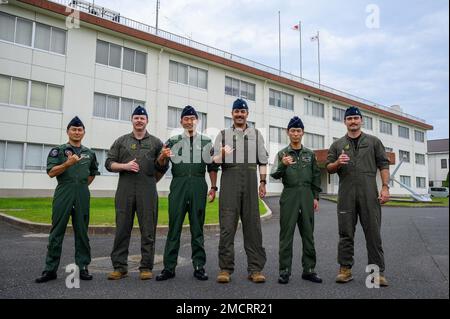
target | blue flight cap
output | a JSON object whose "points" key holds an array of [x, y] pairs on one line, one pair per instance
{"points": [[240, 104], [75, 122], [139, 111], [296, 122], [351, 111], [189, 110]]}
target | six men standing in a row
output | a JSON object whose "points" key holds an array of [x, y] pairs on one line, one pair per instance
{"points": [[142, 159]]}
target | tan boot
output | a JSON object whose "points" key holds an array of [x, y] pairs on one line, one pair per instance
{"points": [[344, 276], [223, 277], [257, 277], [146, 275], [116, 275]]}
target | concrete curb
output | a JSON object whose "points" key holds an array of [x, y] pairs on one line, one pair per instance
{"points": [[106, 230]]}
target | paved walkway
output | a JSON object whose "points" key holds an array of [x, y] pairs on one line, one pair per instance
{"points": [[416, 245]]}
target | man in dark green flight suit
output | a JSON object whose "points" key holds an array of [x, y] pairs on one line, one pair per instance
{"points": [[297, 167], [134, 156], [190, 155], [75, 167], [240, 151], [356, 157]]}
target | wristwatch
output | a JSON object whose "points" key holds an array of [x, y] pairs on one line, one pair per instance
{"points": [[215, 188], [385, 185]]}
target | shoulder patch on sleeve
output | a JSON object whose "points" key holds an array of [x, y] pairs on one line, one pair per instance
{"points": [[53, 152]]}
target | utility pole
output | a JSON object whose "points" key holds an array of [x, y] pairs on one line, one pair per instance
{"points": [[157, 15]]}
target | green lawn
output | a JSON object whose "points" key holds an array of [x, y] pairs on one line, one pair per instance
{"points": [[102, 210], [437, 202]]}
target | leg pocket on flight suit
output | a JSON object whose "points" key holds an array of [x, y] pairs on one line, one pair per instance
{"points": [[345, 223]]}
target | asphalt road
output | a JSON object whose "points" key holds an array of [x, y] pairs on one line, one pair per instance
{"points": [[415, 241]]}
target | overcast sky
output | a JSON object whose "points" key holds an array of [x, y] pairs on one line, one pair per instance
{"points": [[401, 58]]}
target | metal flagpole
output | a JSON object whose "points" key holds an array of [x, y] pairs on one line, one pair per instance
{"points": [[157, 14], [300, 31], [318, 53]]}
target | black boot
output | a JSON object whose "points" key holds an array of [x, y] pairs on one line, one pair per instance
{"points": [[84, 274], [200, 274], [165, 274], [46, 276], [312, 277], [283, 279]]}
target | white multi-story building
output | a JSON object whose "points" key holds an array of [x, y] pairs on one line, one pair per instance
{"points": [[438, 161], [54, 66]]}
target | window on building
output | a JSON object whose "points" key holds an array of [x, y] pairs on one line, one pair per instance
{"points": [[114, 107], [403, 132], [405, 180], [5, 88], [2, 154], [36, 156], [134, 61], [186, 74], [174, 116], [444, 163], [238, 88], [46, 96], [281, 99], [111, 54], [419, 136], [367, 123], [19, 92], [19, 30], [404, 155], [13, 156], [24, 32], [385, 127], [14, 91], [49, 38], [314, 108], [338, 114], [7, 27], [420, 159], [115, 55], [278, 135], [314, 141], [420, 182]]}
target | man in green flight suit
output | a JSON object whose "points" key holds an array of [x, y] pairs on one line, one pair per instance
{"points": [[134, 156], [190, 155], [297, 167], [356, 157], [240, 151], [75, 167]]}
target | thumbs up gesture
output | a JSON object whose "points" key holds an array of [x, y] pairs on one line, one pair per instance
{"points": [[72, 159], [343, 158], [166, 152], [132, 166], [287, 160]]}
